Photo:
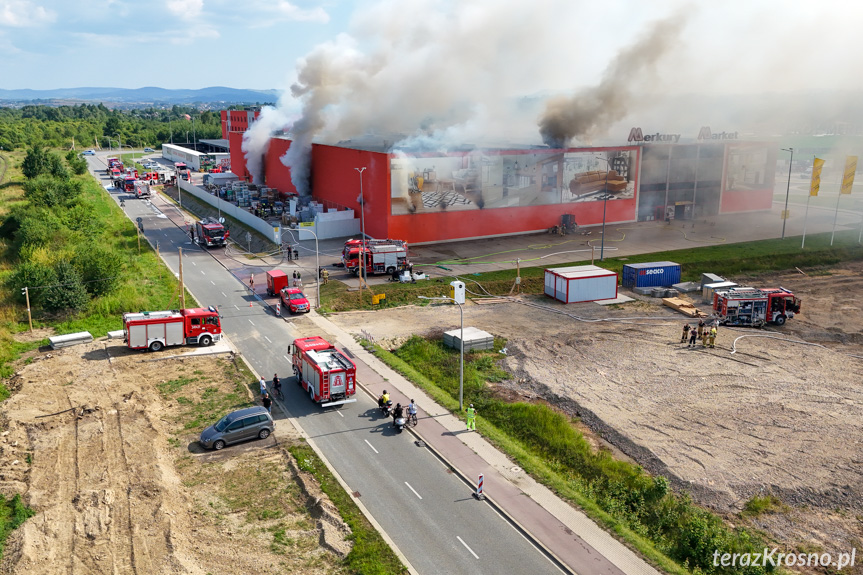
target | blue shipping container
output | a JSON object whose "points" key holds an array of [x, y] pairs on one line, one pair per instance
{"points": [[651, 274]]}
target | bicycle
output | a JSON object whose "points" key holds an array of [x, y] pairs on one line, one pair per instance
{"points": [[411, 420]]}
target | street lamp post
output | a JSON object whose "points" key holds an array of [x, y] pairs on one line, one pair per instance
{"points": [[317, 262], [604, 206], [362, 226], [787, 189], [461, 348]]}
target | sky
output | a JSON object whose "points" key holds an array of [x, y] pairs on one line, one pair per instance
{"points": [[548, 71]]}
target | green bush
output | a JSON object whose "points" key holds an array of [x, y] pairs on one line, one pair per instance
{"points": [[31, 275], [99, 267], [13, 513], [68, 295]]}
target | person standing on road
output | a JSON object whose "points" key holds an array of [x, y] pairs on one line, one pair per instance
{"points": [[685, 333], [277, 385], [267, 402], [252, 282], [263, 386], [471, 418], [693, 335]]}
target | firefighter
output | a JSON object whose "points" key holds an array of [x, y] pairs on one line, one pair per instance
{"points": [[471, 418], [712, 338], [693, 335], [325, 274], [685, 333], [700, 328], [704, 335]]}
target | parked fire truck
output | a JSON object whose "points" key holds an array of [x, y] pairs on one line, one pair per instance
{"points": [[326, 373], [755, 307], [142, 189], [154, 330], [114, 163], [378, 256], [210, 232]]}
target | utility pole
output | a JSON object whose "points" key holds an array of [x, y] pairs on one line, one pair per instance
{"points": [[26, 292], [182, 288]]}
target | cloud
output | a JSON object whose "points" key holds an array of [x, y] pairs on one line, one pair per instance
{"points": [[269, 13], [186, 9], [24, 14]]}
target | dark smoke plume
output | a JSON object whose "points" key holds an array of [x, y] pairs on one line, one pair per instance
{"points": [[592, 111]]}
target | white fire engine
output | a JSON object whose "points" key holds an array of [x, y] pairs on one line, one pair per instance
{"points": [[755, 307]]}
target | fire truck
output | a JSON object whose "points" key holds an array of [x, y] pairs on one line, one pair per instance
{"points": [[112, 164], [326, 373], [378, 256], [210, 232], [755, 307], [155, 330], [142, 189]]}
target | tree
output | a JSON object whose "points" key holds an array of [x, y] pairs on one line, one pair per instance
{"points": [[68, 294], [35, 162], [35, 276], [99, 268], [76, 162]]}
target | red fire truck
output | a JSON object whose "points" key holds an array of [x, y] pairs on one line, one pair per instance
{"points": [[210, 232], [755, 307], [154, 330], [142, 189], [378, 256], [112, 164], [326, 373]]}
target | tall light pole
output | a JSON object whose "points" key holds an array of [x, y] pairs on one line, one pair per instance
{"points": [[461, 350], [317, 262], [604, 206], [787, 189], [362, 227]]}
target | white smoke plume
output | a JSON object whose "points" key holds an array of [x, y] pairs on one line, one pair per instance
{"points": [[256, 140]]}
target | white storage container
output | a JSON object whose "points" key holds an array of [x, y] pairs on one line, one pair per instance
{"points": [[580, 283]]}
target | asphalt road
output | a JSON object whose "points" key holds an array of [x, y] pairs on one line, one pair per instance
{"points": [[427, 511]]}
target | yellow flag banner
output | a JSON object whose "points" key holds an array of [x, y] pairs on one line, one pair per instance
{"points": [[848, 178], [817, 164]]}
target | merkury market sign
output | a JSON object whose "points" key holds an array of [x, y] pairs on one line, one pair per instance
{"points": [[636, 135]]}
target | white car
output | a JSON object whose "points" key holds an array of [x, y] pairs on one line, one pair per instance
{"points": [[89, 152]]}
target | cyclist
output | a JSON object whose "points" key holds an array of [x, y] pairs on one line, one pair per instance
{"points": [[412, 412], [277, 385]]}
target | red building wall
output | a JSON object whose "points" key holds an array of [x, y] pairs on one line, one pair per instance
{"points": [[238, 158], [335, 179]]}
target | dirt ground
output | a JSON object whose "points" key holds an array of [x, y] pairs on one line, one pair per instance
{"points": [[779, 416], [100, 440]]}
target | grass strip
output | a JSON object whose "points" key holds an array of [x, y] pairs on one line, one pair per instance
{"points": [[370, 554]]}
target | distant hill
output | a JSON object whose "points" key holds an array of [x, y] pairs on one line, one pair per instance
{"points": [[141, 96]]}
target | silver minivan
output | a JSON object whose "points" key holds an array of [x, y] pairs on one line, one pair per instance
{"points": [[249, 423]]}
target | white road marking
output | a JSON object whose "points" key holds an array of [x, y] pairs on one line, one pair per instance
{"points": [[194, 264], [286, 358], [418, 495], [203, 273], [236, 306], [251, 322], [466, 547], [268, 339], [370, 445], [212, 282], [340, 414]]}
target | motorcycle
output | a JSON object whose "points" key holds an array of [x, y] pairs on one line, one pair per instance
{"points": [[399, 423], [387, 409]]}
